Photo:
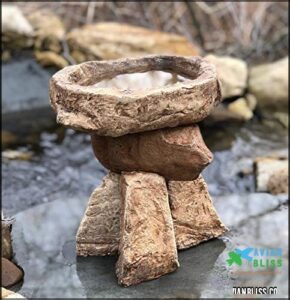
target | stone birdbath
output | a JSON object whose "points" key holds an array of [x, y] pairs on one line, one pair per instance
{"points": [[154, 201]]}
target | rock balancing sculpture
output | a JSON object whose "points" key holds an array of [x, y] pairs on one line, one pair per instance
{"points": [[154, 200]]}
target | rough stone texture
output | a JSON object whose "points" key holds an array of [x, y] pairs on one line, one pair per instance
{"points": [[176, 153], [279, 182], [10, 273], [233, 74], [6, 245], [194, 217], [98, 233], [147, 244], [110, 40], [269, 84], [271, 174], [105, 111]]}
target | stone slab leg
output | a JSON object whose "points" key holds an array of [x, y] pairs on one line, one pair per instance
{"points": [[194, 216], [147, 248], [98, 233]]}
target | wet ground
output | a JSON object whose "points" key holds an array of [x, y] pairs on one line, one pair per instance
{"points": [[47, 196], [47, 192]]}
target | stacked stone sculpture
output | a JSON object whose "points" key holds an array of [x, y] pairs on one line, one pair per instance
{"points": [[154, 200]]}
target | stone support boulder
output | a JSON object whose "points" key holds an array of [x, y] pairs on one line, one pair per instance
{"points": [[176, 153]]}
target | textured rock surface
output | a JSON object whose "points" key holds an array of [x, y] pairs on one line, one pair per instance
{"points": [[6, 245], [10, 273], [103, 111], [147, 244], [267, 168], [233, 74], [194, 217], [98, 233], [269, 84], [114, 40], [176, 153]]}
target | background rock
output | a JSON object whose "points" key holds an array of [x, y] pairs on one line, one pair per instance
{"points": [[279, 182], [17, 32], [50, 58], [14, 96], [12, 19], [269, 84], [221, 114], [241, 107], [112, 40], [266, 167], [232, 73], [48, 29]]}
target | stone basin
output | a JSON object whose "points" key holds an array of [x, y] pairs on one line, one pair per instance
{"points": [[82, 104]]}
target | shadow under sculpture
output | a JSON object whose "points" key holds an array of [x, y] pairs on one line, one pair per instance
{"points": [[154, 200]]}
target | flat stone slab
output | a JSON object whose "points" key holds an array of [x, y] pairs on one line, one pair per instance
{"points": [[151, 151], [114, 112], [99, 230], [147, 248], [194, 216]]}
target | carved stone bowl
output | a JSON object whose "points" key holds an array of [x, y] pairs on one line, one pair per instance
{"points": [[83, 105]]}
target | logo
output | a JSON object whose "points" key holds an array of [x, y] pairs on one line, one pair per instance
{"points": [[257, 257]]}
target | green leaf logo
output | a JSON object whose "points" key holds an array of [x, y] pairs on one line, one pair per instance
{"points": [[234, 258]]}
